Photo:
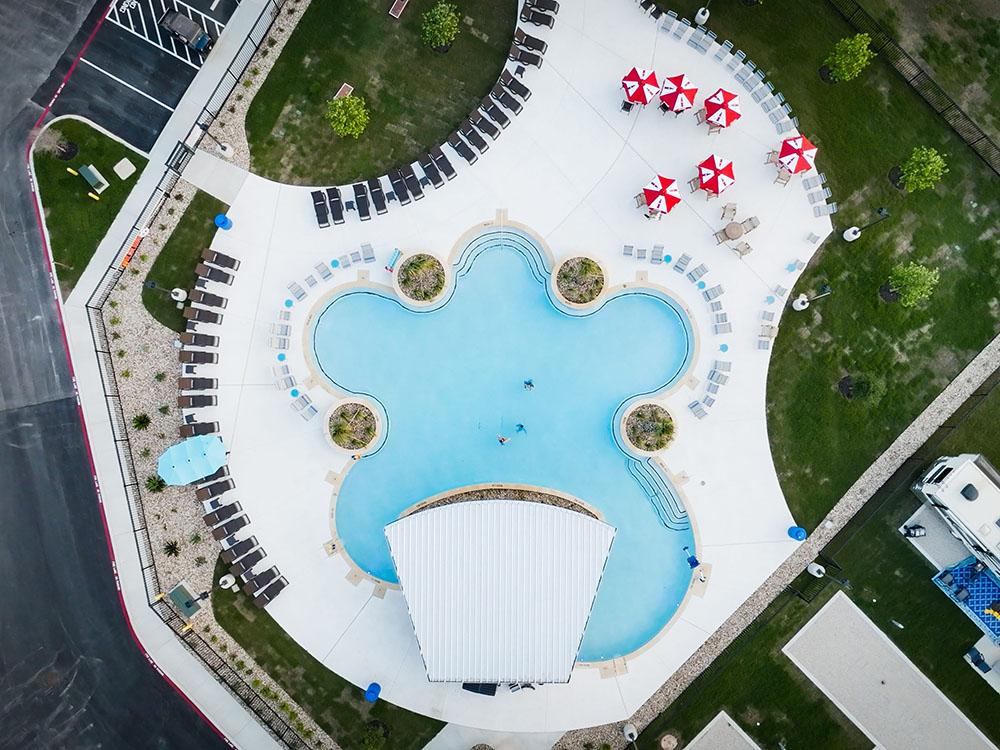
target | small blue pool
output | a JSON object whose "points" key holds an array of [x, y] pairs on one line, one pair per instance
{"points": [[451, 381]]}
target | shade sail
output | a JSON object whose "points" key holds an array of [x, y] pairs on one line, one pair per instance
{"points": [[191, 459]]}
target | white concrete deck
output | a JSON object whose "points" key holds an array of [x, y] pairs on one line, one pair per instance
{"points": [[567, 168], [941, 549], [875, 685]]}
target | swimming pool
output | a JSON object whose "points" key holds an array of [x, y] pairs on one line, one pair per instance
{"points": [[451, 380]]}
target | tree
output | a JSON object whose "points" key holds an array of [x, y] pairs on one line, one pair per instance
{"points": [[155, 483], [348, 115], [869, 388], [923, 169], [141, 421], [913, 282], [440, 25], [849, 57], [171, 549]]}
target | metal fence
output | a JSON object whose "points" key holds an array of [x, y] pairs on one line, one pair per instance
{"points": [[922, 83], [226, 674]]}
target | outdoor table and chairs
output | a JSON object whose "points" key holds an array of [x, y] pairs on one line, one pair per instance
{"points": [[641, 87], [677, 94]]}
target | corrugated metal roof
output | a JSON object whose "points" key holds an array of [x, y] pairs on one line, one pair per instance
{"points": [[499, 590]]}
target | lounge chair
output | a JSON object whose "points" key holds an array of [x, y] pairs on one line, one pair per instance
{"points": [[962, 593], [697, 273], [480, 121], [721, 328], [627, 251], [260, 581], [412, 182], [820, 195], [196, 402], [646, 5], [529, 42], [219, 259], [441, 162], [214, 490], [188, 357], [265, 597], [193, 429], [825, 210], [462, 148], [640, 253], [717, 377], [345, 261], [399, 187], [297, 291], [697, 409], [207, 299], [514, 86], [213, 274], [493, 110], [361, 201], [656, 256], [427, 164], [722, 365], [244, 566], [768, 331], [472, 136], [199, 339], [324, 271], [367, 254], [238, 550], [682, 263], [506, 99], [222, 514], [713, 292], [281, 329], [320, 207], [522, 56], [378, 196], [336, 205], [201, 315], [764, 344], [947, 578], [549, 6], [197, 384]]}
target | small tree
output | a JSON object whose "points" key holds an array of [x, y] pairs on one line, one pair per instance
{"points": [[348, 116], [155, 483], [869, 388], [171, 549], [923, 169], [440, 25], [913, 282], [141, 421], [849, 57]]}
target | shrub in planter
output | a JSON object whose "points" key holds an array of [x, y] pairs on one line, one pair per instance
{"points": [[913, 282], [141, 421], [440, 25], [649, 427], [348, 116], [421, 277], [849, 57], [580, 280], [155, 483], [352, 426], [923, 169]]}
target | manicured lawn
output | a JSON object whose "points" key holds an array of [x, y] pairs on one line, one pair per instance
{"points": [[821, 442], [754, 682], [174, 266], [415, 96], [76, 223], [335, 704]]}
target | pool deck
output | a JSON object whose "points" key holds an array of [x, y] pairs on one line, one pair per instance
{"points": [[566, 168]]}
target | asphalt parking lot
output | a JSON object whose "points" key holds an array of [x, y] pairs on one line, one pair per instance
{"points": [[133, 73]]}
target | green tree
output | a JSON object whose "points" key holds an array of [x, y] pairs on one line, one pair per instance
{"points": [[849, 57], [913, 282], [440, 25], [141, 421], [348, 116], [923, 169], [869, 388], [155, 483], [171, 549]]}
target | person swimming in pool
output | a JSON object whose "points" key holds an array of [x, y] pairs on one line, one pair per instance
{"points": [[529, 384], [520, 428], [502, 440]]}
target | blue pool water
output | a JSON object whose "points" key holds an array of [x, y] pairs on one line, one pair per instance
{"points": [[450, 381]]}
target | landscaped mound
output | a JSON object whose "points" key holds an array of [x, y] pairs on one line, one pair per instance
{"points": [[580, 280], [421, 277], [352, 426], [649, 427]]}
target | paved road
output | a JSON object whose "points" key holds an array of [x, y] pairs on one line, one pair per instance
{"points": [[70, 674]]}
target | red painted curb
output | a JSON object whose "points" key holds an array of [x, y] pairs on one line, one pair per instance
{"points": [[69, 360]]}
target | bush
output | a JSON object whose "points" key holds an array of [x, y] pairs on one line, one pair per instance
{"points": [[155, 483], [440, 25], [923, 169], [171, 549], [913, 282], [869, 388], [141, 421], [348, 116], [580, 280], [649, 427], [849, 57], [421, 277]]}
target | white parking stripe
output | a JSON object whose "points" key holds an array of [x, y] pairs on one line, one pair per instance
{"points": [[142, 20], [165, 49], [126, 84]]}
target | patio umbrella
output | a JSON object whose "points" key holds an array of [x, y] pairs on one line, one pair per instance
{"points": [[715, 174], [723, 108], [191, 459], [662, 194], [640, 86], [797, 154], [678, 93]]}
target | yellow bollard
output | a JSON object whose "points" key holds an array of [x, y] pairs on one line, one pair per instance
{"points": [[94, 196], [72, 171]]}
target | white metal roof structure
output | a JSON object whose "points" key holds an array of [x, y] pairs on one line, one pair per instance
{"points": [[499, 590]]}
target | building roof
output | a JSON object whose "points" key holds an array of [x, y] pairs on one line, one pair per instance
{"points": [[980, 516], [499, 590]]}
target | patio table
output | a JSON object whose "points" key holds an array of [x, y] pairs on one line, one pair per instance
{"points": [[734, 230]]}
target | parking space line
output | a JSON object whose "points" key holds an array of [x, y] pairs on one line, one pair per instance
{"points": [[126, 84], [142, 20], [120, 25]]}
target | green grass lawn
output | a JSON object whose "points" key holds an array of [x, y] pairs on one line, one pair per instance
{"points": [[174, 266], [761, 689], [821, 443], [334, 703], [415, 96], [76, 223]]}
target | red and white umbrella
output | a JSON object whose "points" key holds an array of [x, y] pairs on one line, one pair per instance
{"points": [[640, 86], [723, 108], [715, 174], [797, 154], [662, 194], [678, 93]]}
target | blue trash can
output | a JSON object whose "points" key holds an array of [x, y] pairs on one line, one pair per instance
{"points": [[372, 693], [223, 222], [798, 533]]}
